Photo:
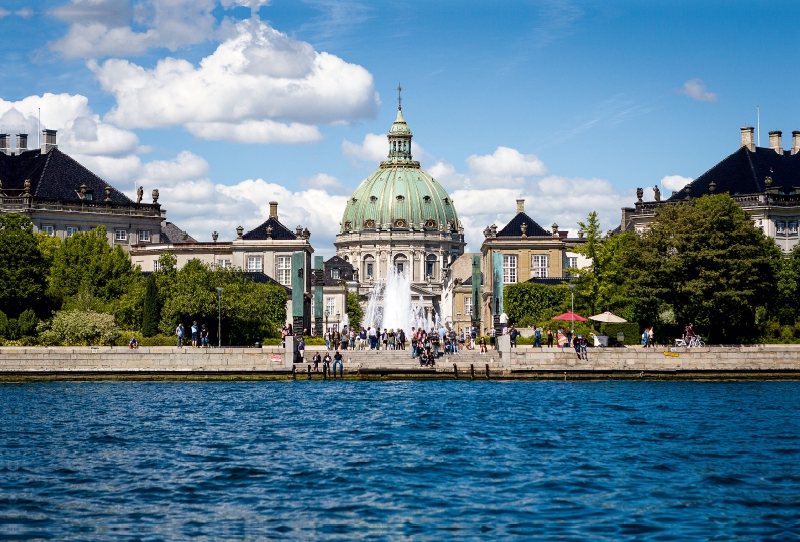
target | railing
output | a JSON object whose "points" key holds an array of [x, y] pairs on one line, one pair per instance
{"points": [[105, 207]]}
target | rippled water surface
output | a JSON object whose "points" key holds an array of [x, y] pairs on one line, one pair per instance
{"points": [[400, 460]]}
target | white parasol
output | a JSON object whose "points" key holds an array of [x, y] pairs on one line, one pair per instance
{"points": [[607, 317]]}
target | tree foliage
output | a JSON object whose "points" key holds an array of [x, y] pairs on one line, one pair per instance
{"points": [[526, 303], [86, 262], [708, 264], [23, 269], [354, 311], [250, 311], [150, 308], [80, 328]]}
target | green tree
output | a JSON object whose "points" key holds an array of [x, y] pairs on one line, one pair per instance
{"points": [[354, 311], [23, 270], [3, 325], [250, 311], [707, 264], [26, 323], [86, 262], [526, 303], [150, 308]]}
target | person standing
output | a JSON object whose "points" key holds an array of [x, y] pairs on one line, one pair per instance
{"points": [[650, 337], [513, 335], [549, 338], [473, 335], [316, 359], [179, 334], [204, 336], [195, 334], [537, 338], [493, 338]]}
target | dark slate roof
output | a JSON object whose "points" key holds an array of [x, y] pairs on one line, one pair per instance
{"points": [[279, 231], [345, 270], [468, 281], [513, 228], [743, 172], [53, 176], [170, 233]]}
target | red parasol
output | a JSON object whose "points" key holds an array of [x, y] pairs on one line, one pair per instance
{"points": [[571, 316]]}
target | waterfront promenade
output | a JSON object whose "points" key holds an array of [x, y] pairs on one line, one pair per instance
{"points": [[761, 361]]}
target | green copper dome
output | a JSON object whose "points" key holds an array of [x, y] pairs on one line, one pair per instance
{"points": [[399, 196]]}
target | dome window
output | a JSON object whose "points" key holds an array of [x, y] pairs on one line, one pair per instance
{"points": [[447, 201], [400, 223], [347, 225], [373, 199], [400, 198], [369, 223], [431, 223], [355, 200], [426, 199]]}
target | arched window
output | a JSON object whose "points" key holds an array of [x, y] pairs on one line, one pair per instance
{"points": [[430, 266], [401, 264], [369, 266]]}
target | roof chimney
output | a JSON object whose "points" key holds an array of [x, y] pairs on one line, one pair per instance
{"points": [[273, 209], [795, 142], [48, 141], [22, 143], [4, 138], [520, 205], [747, 139], [775, 141]]}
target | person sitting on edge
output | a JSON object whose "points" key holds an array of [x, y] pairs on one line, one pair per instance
{"points": [[326, 361], [483, 344], [133, 343], [584, 344], [577, 345], [337, 359], [316, 359]]}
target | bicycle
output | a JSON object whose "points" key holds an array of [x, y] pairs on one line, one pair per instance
{"points": [[694, 342]]}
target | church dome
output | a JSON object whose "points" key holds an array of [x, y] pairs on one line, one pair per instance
{"points": [[400, 195]]}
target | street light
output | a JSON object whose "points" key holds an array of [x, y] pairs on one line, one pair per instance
{"points": [[572, 312], [219, 328]]}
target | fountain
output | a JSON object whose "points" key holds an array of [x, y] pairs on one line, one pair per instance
{"points": [[390, 306]]}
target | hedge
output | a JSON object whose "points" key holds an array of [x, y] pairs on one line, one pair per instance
{"points": [[632, 331]]}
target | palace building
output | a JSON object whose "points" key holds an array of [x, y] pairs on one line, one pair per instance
{"points": [[401, 218], [765, 182]]}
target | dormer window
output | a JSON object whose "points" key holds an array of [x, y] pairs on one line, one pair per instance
{"points": [[373, 199], [369, 224], [426, 199], [335, 274], [430, 223], [446, 201], [354, 200], [400, 198], [347, 225], [400, 223]]}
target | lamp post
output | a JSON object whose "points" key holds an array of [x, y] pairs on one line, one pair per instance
{"points": [[572, 312], [219, 321], [327, 313]]}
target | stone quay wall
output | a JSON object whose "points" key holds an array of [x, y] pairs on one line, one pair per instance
{"points": [[762, 359]]}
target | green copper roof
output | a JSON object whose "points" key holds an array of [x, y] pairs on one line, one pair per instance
{"points": [[399, 195]]}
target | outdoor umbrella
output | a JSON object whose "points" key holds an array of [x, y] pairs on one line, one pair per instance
{"points": [[569, 316], [607, 317]]}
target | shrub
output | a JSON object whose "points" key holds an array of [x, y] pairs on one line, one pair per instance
{"points": [[3, 324], [632, 331], [80, 328], [26, 323], [155, 340]]}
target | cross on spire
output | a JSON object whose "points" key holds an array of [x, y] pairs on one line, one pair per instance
{"points": [[399, 89]]}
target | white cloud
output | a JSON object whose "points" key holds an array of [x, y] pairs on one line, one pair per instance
{"points": [[4, 13], [323, 181], [25, 13], [446, 175], [373, 149], [258, 76], [696, 90], [506, 167], [105, 27], [675, 182], [252, 131]]}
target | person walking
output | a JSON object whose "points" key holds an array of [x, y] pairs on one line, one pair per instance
{"points": [[179, 334], [537, 338], [644, 338]]}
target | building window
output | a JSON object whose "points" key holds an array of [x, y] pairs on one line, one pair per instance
{"points": [[285, 270], [88, 196], [156, 266], [330, 305], [72, 230], [793, 228], [539, 265], [370, 270], [144, 236], [122, 235], [254, 264], [509, 269], [223, 263], [467, 306], [780, 227], [48, 230], [399, 268], [335, 274]]}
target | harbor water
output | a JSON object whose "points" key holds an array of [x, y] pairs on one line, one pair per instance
{"points": [[438, 460]]}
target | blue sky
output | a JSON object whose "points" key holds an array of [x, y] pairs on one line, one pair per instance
{"points": [[224, 107]]}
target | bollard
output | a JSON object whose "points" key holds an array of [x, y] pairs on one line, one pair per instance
{"points": [[455, 371], [487, 371], [472, 371], [309, 371], [294, 373]]}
